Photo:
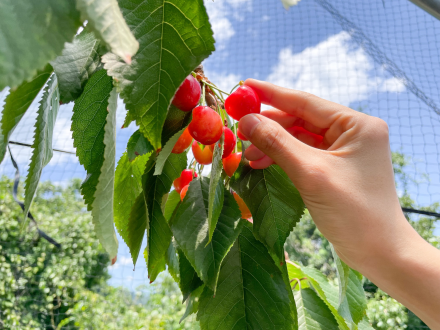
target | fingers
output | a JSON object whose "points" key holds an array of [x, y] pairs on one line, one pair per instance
{"points": [[275, 143], [318, 112], [262, 163], [288, 121]]}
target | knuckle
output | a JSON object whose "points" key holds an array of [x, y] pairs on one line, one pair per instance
{"points": [[271, 139], [379, 129]]}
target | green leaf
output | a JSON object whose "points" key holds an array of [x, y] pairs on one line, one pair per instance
{"points": [[136, 226], [327, 292], [17, 103], [42, 147], [166, 151], [138, 145], [128, 187], [88, 122], [78, 61], [191, 230], [352, 300], [251, 293], [216, 191], [175, 121], [274, 202], [158, 232], [93, 127], [173, 262], [172, 201], [33, 33], [312, 312], [365, 325], [189, 280], [295, 272], [175, 36], [192, 303], [105, 18]]}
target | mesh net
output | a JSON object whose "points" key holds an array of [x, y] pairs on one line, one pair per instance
{"points": [[378, 56]]}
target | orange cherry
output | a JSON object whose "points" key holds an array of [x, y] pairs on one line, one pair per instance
{"points": [[245, 212], [202, 156], [230, 163]]}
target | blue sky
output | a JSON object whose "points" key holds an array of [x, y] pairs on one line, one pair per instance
{"points": [[305, 48]]}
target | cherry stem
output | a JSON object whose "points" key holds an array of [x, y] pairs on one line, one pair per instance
{"points": [[235, 132], [239, 84], [215, 87]]}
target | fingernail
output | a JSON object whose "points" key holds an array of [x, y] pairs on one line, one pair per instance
{"points": [[247, 124]]}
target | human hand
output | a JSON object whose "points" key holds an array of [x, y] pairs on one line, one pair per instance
{"points": [[339, 160]]}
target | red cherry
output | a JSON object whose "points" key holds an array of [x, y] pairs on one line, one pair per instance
{"points": [[242, 102], [241, 136], [206, 125], [202, 156], [245, 212], [229, 145], [230, 163], [183, 192], [184, 179], [183, 142], [188, 94]]}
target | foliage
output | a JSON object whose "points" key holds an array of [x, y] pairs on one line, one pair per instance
{"points": [[118, 308], [38, 282], [232, 273]]}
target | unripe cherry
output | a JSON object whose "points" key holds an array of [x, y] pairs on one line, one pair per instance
{"points": [[242, 102], [188, 94], [183, 142], [184, 179], [245, 212], [241, 136], [230, 163], [202, 156], [183, 192], [206, 125], [229, 143]]}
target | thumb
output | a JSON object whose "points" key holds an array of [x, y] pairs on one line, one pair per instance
{"points": [[274, 141]]}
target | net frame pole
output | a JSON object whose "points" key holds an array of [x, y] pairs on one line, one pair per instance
{"points": [[430, 6]]}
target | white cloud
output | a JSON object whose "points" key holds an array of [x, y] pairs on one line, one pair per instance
{"points": [[221, 14], [334, 69]]}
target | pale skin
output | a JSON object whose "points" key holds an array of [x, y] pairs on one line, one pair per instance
{"points": [[345, 177]]}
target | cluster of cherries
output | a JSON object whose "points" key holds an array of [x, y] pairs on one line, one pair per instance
{"points": [[206, 128]]}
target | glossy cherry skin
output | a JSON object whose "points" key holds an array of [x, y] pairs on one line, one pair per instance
{"points": [[241, 136], [230, 163], [183, 142], [188, 95], [183, 192], [229, 144], [184, 179], [245, 213], [242, 102], [206, 125], [202, 156]]}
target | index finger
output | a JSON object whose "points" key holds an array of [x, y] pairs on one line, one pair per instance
{"points": [[315, 110]]}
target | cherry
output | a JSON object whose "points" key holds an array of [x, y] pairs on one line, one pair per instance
{"points": [[183, 192], [242, 102], [183, 142], [188, 94], [206, 125], [241, 136], [229, 144], [245, 213], [230, 163], [184, 179], [202, 156]]}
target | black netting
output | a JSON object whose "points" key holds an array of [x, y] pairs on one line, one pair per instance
{"points": [[381, 57]]}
